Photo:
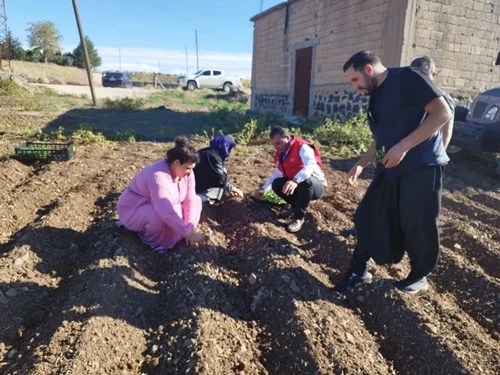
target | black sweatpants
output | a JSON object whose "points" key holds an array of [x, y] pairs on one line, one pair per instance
{"points": [[307, 191], [398, 215]]}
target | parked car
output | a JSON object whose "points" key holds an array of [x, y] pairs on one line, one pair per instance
{"points": [[116, 79], [210, 79], [480, 132]]}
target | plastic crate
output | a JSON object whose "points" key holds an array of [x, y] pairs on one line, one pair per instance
{"points": [[45, 151]]}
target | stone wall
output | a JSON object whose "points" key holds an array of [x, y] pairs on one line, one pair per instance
{"points": [[339, 104], [463, 37]]}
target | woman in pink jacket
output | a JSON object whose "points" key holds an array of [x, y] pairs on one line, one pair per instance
{"points": [[160, 203]]}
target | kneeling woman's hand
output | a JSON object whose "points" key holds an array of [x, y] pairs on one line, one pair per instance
{"points": [[236, 192], [194, 238]]}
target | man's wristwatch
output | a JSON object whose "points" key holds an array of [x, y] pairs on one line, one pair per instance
{"points": [[295, 180]]}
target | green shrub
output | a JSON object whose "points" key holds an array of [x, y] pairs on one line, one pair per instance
{"points": [[344, 138], [126, 136], [348, 138], [85, 135]]}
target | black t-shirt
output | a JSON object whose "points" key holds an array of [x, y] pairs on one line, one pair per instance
{"points": [[417, 88], [396, 109]]}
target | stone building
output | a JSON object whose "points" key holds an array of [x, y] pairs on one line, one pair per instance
{"points": [[300, 47]]}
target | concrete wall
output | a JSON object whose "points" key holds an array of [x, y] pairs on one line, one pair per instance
{"points": [[270, 77], [463, 37]]}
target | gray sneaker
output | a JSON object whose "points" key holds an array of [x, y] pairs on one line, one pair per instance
{"points": [[413, 287], [295, 225]]}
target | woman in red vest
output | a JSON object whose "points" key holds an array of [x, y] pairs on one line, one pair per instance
{"points": [[298, 177]]}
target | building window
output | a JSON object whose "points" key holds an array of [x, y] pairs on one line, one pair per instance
{"points": [[498, 59]]}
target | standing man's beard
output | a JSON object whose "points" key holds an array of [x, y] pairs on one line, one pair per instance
{"points": [[371, 84]]}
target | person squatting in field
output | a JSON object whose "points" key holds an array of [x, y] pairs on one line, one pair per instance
{"points": [[211, 174], [160, 203], [298, 177]]}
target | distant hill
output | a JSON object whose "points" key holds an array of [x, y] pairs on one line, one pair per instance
{"points": [[69, 75]]}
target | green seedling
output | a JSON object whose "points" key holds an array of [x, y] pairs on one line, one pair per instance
{"points": [[270, 197], [379, 154]]}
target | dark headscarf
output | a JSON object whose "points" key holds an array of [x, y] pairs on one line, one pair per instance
{"points": [[223, 144]]}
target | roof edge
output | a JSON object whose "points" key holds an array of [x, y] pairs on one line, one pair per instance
{"points": [[269, 11]]}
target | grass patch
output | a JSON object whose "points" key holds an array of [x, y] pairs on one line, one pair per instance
{"points": [[246, 83], [190, 101], [52, 101], [52, 73], [124, 104], [17, 97]]}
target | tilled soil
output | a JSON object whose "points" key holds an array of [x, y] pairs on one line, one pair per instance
{"points": [[79, 295]]}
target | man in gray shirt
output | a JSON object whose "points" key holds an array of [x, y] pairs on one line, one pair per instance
{"points": [[427, 65]]}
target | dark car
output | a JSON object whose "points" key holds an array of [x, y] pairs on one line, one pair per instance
{"points": [[480, 132], [116, 79]]}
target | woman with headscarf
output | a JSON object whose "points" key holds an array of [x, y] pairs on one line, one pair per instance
{"points": [[160, 203], [210, 173]]}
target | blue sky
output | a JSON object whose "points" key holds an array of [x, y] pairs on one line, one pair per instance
{"points": [[152, 34]]}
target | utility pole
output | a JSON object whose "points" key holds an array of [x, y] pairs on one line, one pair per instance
{"points": [[85, 52], [261, 5], [120, 57], [187, 66], [196, 39], [4, 34]]}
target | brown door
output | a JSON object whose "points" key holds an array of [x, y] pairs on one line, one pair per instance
{"points": [[303, 65]]}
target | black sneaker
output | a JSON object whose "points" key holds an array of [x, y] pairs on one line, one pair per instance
{"points": [[411, 286], [351, 279]]}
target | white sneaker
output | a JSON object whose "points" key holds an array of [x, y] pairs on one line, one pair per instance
{"points": [[295, 225]]}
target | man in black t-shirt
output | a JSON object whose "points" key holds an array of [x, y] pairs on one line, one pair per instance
{"points": [[427, 65], [401, 207]]}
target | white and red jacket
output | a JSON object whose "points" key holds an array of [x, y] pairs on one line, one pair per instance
{"points": [[301, 161]]}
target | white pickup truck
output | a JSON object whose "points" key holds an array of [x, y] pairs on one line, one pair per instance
{"points": [[209, 79]]}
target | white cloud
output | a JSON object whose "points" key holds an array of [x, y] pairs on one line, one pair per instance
{"points": [[171, 61]]}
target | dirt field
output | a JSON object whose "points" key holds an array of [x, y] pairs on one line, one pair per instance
{"points": [[100, 92], [78, 295]]}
